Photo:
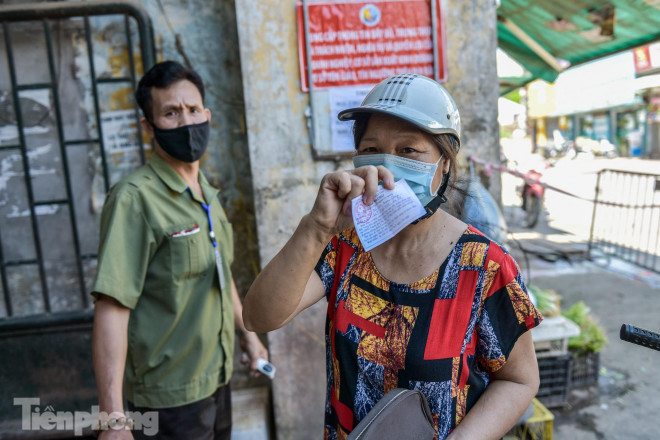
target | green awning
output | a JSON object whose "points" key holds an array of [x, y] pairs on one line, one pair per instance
{"points": [[545, 36]]}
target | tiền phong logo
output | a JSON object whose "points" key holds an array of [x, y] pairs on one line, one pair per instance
{"points": [[370, 15]]}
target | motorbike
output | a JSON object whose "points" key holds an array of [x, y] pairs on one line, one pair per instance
{"points": [[558, 147], [531, 192]]}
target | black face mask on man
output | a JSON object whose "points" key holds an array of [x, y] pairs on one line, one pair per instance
{"points": [[186, 143]]}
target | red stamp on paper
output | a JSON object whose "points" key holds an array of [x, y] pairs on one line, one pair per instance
{"points": [[362, 211]]}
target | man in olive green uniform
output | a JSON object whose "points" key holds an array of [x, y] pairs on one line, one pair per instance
{"points": [[166, 306]]}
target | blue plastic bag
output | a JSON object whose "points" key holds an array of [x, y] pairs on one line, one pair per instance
{"points": [[482, 211]]}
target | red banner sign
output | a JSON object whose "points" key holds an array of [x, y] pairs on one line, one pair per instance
{"points": [[362, 43], [647, 57], [642, 59]]}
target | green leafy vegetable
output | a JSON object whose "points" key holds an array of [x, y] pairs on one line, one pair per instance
{"points": [[547, 301], [592, 335]]}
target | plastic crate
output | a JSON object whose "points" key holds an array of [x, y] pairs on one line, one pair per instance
{"points": [[551, 336], [555, 375], [586, 365], [537, 427]]}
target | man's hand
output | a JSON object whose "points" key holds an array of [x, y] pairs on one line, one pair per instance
{"points": [[112, 434], [252, 349]]}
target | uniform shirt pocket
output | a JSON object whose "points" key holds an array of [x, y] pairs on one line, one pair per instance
{"points": [[188, 250]]}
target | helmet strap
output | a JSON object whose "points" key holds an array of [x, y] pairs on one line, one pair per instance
{"points": [[432, 206], [440, 198]]}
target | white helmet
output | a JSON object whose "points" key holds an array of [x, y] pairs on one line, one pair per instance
{"points": [[414, 98]]}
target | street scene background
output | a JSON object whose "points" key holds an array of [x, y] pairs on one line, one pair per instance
{"points": [[621, 403]]}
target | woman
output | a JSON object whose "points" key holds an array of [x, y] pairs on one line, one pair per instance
{"points": [[439, 307]]}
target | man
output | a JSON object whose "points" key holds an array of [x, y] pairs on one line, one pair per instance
{"points": [[166, 305]]}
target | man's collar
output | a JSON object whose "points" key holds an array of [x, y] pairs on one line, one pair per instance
{"points": [[172, 179], [166, 173]]}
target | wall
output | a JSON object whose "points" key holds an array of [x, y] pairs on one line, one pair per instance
{"points": [[285, 177], [204, 34], [472, 43]]}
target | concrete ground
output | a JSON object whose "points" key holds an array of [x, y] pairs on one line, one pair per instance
{"points": [[625, 404], [626, 401]]}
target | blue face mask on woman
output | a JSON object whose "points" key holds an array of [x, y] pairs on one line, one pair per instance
{"points": [[418, 174]]}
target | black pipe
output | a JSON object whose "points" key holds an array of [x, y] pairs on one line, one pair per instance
{"points": [[45, 323]]}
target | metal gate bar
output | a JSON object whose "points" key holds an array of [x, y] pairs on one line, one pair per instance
{"points": [[131, 63], [26, 167], [626, 217], [65, 163], [5, 283], [37, 12], [60, 11], [97, 107]]}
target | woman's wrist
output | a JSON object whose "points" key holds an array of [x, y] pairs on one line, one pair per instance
{"points": [[315, 230]]}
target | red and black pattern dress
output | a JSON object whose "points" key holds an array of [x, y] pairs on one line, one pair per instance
{"points": [[442, 335]]}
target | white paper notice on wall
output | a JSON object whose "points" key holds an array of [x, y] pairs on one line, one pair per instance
{"points": [[391, 211], [119, 131], [340, 99]]}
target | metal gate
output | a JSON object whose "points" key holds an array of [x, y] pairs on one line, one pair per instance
{"points": [[43, 124], [68, 131], [626, 217]]}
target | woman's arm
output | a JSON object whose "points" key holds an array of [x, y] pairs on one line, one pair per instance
{"points": [[506, 398], [277, 293], [288, 284]]}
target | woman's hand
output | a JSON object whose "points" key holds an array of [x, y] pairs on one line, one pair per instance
{"points": [[332, 208], [288, 283]]}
